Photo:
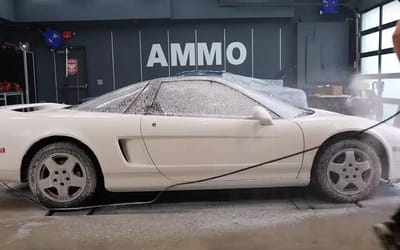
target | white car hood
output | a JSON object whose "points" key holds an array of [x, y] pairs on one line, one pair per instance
{"points": [[325, 113]]}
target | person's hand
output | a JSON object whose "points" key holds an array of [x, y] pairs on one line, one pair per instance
{"points": [[396, 40]]}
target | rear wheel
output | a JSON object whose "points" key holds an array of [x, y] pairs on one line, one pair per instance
{"points": [[347, 171], [62, 175]]}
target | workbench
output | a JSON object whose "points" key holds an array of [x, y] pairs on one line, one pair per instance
{"points": [[335, 103]]}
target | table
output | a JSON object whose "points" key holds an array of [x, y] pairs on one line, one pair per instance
{"points": [[335, 103], [5, 95]]}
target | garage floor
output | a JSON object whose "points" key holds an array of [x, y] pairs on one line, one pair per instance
{"points": [[245, 219]]}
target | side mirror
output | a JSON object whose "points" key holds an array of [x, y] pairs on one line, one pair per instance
{"points": [[262, 115]]}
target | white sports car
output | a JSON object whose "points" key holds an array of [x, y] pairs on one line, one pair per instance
{"points": [[153, 134]]}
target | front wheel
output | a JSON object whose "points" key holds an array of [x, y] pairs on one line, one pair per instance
{"points": [[62, 175], [346, 171]]}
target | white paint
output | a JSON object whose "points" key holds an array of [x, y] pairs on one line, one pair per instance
{"points": [[169, 53], [157, 56], [196, 52], [280, 48], [55, 75], [196, 46], [242, 53], [224, 49], [214, 54], [252, 52], [140, 55], [112, 59], [182, 57]]}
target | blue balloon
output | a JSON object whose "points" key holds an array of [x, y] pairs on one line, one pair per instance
{"points": [[330, 6], [53, 39]]}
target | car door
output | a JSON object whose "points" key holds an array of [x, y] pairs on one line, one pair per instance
{"points": [[200, 128]]}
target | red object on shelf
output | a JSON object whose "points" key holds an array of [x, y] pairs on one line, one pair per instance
{"points": [[17, 87], [10, 86]]}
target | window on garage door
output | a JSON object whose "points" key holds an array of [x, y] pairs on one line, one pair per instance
{"points": [[378, 62], [202, 99]]}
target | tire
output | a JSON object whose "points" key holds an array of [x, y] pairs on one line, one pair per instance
{"points": [[62, 175], [346, 171]]}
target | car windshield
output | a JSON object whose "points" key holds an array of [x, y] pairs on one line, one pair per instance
{"points": [[281, 108], [114, 102], [271, 87], [251, 82]]}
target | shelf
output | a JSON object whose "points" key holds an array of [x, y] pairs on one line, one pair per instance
{"points": [[5, 95]]}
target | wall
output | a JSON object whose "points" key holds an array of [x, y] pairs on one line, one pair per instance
{"points": [[320, 50], [90, 10], [269, 48], [7, 9], [272, 51], [76, 10], [367, 4]]}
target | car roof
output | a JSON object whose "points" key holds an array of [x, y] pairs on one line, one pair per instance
{"points": [[199, 78], [273, 104]]}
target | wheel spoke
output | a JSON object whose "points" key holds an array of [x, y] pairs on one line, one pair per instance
{"points": [[359, 183], [50, 164], [70, 163], [63, 192], [363, 166], [350, 157], [341, 184], [77, 181], [46, 183], [336, 167]]}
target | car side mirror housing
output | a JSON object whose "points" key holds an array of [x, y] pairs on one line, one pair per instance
{"points": [[262, 115]]}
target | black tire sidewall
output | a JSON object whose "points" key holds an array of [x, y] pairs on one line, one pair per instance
{"points": [[74, 150], [319, 178]]}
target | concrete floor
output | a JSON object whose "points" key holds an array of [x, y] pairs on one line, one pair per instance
{"points": [[249, 219]]}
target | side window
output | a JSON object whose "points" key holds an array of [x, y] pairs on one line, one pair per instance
{"points": [[202, 98], [114, 102], [143, 101]]}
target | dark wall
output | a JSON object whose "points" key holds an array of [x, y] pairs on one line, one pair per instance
{"points": [[270, 52], [367, 4], [320, 54], [90, 10], [76, 10], [7, 9], [271, 43], [195, 9]]}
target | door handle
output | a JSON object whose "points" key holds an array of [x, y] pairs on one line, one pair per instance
{"points": [[154, 124]]}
